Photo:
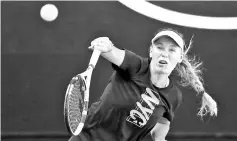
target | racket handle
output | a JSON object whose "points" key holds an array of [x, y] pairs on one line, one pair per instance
{"points": [[94, 58]]}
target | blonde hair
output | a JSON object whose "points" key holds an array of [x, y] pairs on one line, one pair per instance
{"points": [[190, 71]]}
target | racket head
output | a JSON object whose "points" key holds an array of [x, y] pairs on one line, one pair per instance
{"points": [[76, 104]]}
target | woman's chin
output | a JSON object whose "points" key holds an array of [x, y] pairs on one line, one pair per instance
{"points": [[162, 71]]}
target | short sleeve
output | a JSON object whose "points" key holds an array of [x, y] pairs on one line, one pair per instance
{"points": [[179, 100], [131, 64], [175, 102]]}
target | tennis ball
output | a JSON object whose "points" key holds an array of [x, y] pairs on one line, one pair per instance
{"points": [[49, 12]]}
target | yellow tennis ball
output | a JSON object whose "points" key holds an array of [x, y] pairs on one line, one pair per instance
{"points": [[49, 12]]}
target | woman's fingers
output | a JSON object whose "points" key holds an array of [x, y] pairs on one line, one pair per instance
{"points": [[102, 43]]}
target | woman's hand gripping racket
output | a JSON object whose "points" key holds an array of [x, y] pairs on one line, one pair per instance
{"points": [[77, 97]]}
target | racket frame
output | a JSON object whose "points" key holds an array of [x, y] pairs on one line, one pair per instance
{"points": [[86, 76]]}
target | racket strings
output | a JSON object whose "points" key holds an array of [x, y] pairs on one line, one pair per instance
{"points": [[75, 103]]}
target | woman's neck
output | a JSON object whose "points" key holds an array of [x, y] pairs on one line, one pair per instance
{"points": [[160, 80]]}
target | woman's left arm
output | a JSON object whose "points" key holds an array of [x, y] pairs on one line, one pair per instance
{"points": [[160, 130]]}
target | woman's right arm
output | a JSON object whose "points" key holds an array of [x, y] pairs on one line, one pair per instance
{"points": [[160, 130], [108, 50]]}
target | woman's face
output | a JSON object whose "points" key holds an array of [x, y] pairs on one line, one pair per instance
{"points": [[165, 55]]}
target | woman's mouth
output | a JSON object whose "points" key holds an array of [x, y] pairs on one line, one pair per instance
{"points": [[163, 62]]}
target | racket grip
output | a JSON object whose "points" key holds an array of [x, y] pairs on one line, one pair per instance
{"points": [[94, 58]]}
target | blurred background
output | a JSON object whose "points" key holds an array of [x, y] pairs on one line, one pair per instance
{"points": [[39, 58]]}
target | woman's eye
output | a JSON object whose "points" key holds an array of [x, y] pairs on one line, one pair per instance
{"points": [[172, 50], [159, 47]]}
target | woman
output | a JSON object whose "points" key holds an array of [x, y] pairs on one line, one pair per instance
{"points": [[141, 97]]}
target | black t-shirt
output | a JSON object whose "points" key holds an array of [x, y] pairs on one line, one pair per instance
{"points": [[130, 105]]}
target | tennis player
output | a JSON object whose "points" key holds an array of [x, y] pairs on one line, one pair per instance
{"points": [[141, 96]]}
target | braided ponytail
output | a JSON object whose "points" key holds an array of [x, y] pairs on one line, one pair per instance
{"points": [[190, 72]]}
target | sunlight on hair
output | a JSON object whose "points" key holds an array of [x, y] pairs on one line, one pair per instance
{"points": [[189, 46], [208, 106]]}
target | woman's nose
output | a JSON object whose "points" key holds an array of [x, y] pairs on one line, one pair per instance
{"points": [[164, 53]]}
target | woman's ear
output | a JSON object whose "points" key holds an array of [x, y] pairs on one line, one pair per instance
{"points": [[181, 58]]}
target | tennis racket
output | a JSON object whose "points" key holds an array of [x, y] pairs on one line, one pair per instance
{"points": [[77, 97]]}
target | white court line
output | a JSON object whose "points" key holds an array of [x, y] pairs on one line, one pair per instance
{"points": [[178, 18]]}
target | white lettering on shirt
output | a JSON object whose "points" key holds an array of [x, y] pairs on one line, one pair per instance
{"points": [[141, 114]]}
